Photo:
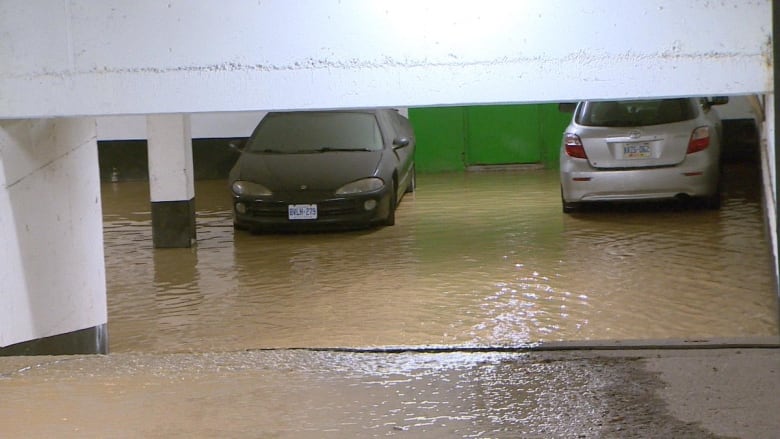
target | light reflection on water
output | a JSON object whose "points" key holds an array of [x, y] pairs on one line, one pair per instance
{"points": [[475, 259]]}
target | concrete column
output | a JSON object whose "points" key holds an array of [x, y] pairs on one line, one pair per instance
{"points": [[171, 180], [52, 269], [772, 137], [770, 161]]}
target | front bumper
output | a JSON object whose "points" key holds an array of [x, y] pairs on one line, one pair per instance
{"points": [[261, 213]]}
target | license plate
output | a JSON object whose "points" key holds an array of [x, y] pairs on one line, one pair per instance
{"points": [[637, 151], [302, 211]]}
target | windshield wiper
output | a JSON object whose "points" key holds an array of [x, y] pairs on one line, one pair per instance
{"points": [[308, 151], [332, 149], [279, 151], [265, 150], [618, 123]]}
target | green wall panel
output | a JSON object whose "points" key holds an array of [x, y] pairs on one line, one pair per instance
{"points": [[502, 134], [440, 138], [450, 138]]}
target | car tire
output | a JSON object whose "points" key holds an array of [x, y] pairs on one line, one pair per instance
{"points": [[412, 181], [713, 202], [569, 207], [390, 220]]}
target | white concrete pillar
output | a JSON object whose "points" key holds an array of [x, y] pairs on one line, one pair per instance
{"points": [[770, 158], [52, 269], [171, 180]]}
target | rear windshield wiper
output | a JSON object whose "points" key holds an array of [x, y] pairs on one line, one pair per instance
{"points": [[617, 123]]}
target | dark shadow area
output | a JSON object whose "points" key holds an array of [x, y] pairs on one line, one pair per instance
{"points": [[128, 160], [740, 141]]}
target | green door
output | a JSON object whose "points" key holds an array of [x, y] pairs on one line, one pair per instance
{"points": [[502, 134]]}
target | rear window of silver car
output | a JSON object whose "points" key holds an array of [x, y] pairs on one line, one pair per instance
{"points": [[635, 113], [300, 132]]}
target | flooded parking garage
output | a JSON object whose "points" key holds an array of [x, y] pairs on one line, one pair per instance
{"points": [[408, 331], [475, 259]]}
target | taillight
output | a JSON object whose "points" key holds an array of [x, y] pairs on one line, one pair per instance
{"points": [[700, 140], [573, 146]]}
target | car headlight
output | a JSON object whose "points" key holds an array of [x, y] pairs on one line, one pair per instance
{"points": [[360, 186], [247, 188]]}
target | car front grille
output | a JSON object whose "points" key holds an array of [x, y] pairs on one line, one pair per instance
{"points": [[325, 209]]}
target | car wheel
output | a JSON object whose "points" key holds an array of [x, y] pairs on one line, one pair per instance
{"points": [[570, 207], [713, 202], [412, 181], [390, 220]]}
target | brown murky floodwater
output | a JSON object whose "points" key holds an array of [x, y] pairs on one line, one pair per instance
{"points": [[475, 259]]}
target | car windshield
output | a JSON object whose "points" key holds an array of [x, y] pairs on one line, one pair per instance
{"points": [[306, 132], [635, 113]]}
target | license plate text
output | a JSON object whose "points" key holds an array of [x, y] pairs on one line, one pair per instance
{"points": [[302, 211]]}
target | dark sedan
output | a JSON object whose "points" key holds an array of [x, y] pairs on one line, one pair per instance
{"points": [[323, 168]]}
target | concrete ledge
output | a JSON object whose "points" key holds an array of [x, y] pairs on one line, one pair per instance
{"points": [[506, 167], [86, 341], [576, 345], [662, 344]]}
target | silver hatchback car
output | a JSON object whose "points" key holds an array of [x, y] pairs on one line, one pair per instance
{"points": [[641, 150]]}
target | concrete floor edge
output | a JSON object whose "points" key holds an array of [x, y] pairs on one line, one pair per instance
{"points": [[581, 345]]}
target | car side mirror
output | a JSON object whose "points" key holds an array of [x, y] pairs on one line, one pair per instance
{"points": [[567, 107], [237, 145], [400, 142]]}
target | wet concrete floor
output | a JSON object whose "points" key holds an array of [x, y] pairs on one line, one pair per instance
{"points": [[422, 329], [318, 394]]}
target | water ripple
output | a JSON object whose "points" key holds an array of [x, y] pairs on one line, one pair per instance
{"points": [[475, 259]]}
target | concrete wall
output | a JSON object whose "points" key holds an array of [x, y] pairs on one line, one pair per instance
{"points": [[204, 125], [769, 173], [52, 277], [119, 57]]}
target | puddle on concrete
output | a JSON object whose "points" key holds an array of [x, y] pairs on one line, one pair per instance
{"points": [[475, 259], [326, 394]]}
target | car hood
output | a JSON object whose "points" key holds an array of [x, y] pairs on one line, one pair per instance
{"points": [[320, 171]]}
